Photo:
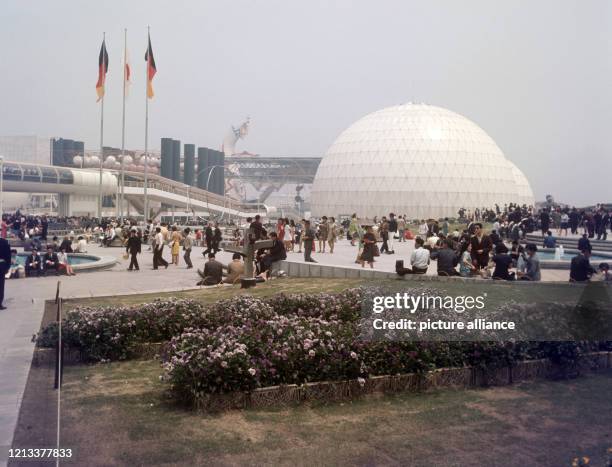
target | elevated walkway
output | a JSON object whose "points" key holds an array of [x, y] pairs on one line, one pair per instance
{"points": [[39, 178]]}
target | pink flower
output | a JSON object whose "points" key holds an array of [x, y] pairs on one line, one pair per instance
{"points": [[312, 353], [252, 371]]}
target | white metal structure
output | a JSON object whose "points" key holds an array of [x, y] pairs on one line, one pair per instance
{"points": [[415, 159], [525, 195], [37, 178]]}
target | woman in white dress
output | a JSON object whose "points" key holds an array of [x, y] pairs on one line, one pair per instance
{"points": [[288, 234]]}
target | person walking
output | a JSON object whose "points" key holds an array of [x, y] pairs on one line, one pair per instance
{"points": [[323, 233], [175, 242], [298, 235], [187, 245], [353, 229], [332, 234], [217, 237], [392, 228], [208, 238], [159, 249], [369, 247], [384, 236], [133, 248], [401, 228]]}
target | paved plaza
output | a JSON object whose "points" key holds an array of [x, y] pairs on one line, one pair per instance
{"points": [[345, 255], [25, 301]]}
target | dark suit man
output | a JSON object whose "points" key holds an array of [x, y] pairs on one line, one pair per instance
{"points": [[5, 264], [34, 264], [580, 267], [481, 246], [208, 237], [213, 272], [133, 247], [50, 261]]}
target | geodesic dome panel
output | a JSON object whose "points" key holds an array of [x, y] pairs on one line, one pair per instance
{"points": [[525, 195], [418, 160]]}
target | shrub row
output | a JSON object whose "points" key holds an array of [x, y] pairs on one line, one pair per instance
{"points": [[244, 342]]}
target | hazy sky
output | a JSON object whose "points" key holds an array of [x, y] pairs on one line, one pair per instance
{"points": [[535, 75]]}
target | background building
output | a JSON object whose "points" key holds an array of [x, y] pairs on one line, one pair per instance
{"points": [[34, 149], [63, 151], [419, 160]]}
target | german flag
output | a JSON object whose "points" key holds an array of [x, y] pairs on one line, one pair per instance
{"points": [[151, 70], [102, 70]]}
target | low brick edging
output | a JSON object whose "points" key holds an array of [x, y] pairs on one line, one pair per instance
{"points": [[443, 378], [335, 391]]}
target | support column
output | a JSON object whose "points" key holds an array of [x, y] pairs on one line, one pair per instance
{"points": [[63, 205]]}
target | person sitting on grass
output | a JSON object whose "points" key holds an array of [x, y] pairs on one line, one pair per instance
{"points": [[213, 272], [235, 269]]}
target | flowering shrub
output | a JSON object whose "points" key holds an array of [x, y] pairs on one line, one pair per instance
{"points": [[110, 333], [244, 342]]}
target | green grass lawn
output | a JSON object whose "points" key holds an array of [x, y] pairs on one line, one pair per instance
{"points": [[118, 414], [211, 295], [497, 292]]}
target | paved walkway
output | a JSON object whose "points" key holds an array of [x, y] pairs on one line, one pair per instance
{"points": [[25, 301]]}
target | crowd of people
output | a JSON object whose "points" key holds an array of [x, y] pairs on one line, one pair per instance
{"points": [[500, 253]]}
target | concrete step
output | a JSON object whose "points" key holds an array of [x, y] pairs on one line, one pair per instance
{"points": [[599, 245]]}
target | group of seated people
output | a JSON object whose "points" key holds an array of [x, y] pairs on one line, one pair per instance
{"points": [[39, 265], [50, 262], [476, 255], [264, 260], [214, 270]]}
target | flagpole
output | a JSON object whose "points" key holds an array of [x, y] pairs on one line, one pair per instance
{"points": [[122, 194], [101, 139], [146, 167]]}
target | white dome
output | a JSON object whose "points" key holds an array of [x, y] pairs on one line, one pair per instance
{"points": [[418, 160], [525, 195]]}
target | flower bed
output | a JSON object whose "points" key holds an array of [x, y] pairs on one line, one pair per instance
{"points": [[112, 333], [442, 378], [244, 343]]}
